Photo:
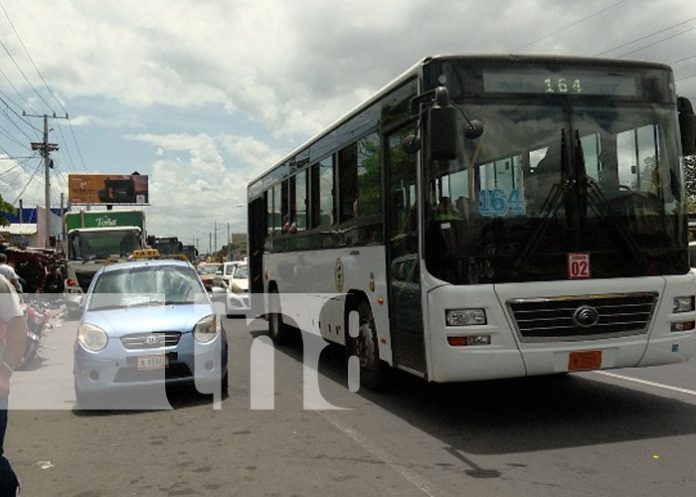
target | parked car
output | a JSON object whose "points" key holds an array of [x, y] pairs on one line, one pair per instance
{"points": [[146, 323], [237, 300]]}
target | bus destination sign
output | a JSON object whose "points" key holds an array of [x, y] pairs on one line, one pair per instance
{"points": [[570, 82]]}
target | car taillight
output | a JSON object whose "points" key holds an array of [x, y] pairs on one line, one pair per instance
{"points": [[71, 282]]}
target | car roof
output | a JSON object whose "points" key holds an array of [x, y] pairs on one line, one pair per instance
{"points": [[146, 263]]}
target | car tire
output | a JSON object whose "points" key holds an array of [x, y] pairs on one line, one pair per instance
{"points": [[374, 372]]}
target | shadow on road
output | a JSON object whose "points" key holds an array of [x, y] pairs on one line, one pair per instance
{"points": [[517, 415]]}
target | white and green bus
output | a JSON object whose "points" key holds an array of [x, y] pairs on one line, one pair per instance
{"points": [[489, 217]]}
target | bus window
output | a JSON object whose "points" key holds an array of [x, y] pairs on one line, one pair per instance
{"points": [[269, 212], [300, 201], [277, 211], [347, 182], [327, 191], [368, 177]]}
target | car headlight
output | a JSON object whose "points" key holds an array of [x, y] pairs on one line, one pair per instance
{"points": [[683, 304], [206, 329], [92, 337], [465, 317]]}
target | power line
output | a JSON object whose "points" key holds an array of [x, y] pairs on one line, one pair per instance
{"points": [[22, 97], [679, 61], [25, 77], [572, 24], [21, 117], [77, 146], [32, 60], [657, 42], [27, 184], [16, 125], [644, 37], [686, 77]]}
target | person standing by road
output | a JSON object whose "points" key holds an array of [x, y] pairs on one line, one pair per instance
{"points": [[13, 332], [8, 272]]}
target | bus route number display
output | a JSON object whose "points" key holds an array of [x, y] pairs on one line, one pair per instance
{"points": [[579, 266]]}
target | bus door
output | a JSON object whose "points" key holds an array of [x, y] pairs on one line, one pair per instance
{"points": [[403, 275], [257, 236]]}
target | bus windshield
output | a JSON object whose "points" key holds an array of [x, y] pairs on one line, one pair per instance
{"points": [[551, 178]]}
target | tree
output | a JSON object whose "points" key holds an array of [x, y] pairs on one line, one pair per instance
{"points": [[690, 181], [5, 207]]}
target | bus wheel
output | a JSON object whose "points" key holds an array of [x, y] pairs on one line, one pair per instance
{"points": [[277, 330], [373, 371]]}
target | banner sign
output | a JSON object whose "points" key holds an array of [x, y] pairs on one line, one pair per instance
{"points": [[107, 189]]}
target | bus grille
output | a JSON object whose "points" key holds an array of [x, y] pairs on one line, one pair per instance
{"points": [[583, 316], [151, 340]]}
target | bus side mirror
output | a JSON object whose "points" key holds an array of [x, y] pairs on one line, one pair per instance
{"points": [[411, 144], [687, 126], [442, 129]]}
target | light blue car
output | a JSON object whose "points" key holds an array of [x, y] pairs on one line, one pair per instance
{"points": [[148, 324]]}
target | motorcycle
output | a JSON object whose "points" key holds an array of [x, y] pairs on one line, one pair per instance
{"points": [[37, 316]]}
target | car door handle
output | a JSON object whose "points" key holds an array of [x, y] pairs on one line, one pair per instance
{"points": [[354, 252]]}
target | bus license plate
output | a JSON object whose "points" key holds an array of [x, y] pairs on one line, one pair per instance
{"points": [[579, 361], [149, 362]]}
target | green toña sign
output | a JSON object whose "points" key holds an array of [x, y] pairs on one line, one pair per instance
{"points": [[103, 219]]}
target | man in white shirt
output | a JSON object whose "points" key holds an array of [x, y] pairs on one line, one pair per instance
{"points": [[9, 273], [13, 333]]}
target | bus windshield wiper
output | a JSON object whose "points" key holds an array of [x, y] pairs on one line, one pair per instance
{"points": [[549, 208], [591, 194]]}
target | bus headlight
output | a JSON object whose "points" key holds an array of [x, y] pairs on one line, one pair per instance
{"points": [[683, 304], [465, 317]]}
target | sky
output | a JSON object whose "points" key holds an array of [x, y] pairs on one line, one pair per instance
{"points": [[204, 95]]}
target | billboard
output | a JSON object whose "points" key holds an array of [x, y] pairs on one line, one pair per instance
{"points": [[107, 189]]}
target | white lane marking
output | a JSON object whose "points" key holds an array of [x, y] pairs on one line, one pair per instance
{"points": [[646, 383], [412, 477]]}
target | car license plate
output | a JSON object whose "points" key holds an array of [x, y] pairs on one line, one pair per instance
{"points": [[152, 362], [579, 361]]}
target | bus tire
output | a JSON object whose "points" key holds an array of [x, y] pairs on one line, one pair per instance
{"points": [[373, 371], [277, 330]]}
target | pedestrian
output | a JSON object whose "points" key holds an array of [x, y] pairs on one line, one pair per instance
{"points": [[9, 272], [13, 332]]}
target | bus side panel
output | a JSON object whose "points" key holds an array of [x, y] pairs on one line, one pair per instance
{"points": [[321, 278]]}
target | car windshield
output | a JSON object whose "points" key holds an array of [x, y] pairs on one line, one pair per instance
{"points": [[209, 269], [241, 272], [149, 285]]}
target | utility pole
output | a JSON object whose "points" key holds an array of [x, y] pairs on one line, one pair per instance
{"points": [[46, 148], [215, 246]]}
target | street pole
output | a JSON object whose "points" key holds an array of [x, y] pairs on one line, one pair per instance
{"points": [[47, 184], [215, 246], [46, 149]]}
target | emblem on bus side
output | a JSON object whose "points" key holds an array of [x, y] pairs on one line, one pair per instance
{"points": [[338, 275]]}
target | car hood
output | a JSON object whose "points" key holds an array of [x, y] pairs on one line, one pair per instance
{"points": [[123, 321]]}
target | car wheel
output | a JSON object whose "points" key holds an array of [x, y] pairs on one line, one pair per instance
{"points": [[278, 331], [373, 371]]}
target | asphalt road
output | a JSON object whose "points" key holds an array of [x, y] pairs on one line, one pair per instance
{"points": [[627, 433]]}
